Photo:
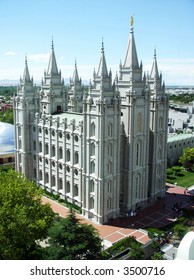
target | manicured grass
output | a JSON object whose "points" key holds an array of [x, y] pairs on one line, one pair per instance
{"points": [[185, 179]]}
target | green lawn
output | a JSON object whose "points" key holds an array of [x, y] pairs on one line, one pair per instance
{"points": [[186, 179]]}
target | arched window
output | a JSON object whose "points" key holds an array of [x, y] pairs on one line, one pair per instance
{"points": [[34, 145], [75, 190], [53, 151], [40, 147], [67, 187], [92, 167], [92, 149], [19, 130], [109, 167], [68, 155], [139, 123], [53, 181], [161, 122], [60, 153], [92, 186], [92, 129], [40, 175], [20, 143], [46, 178], [138, 153], [46, 149], [110, 130], [60, 183], [76, 158], [109, 149], [91, 203]]}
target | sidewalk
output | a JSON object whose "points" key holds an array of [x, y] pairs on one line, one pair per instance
{"points": [[159, 214]]}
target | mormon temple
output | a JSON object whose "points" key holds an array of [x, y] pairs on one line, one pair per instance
{"points": [[103, 149]]}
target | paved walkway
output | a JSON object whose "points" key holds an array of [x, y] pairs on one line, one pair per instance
{"points": [[161, 213]]}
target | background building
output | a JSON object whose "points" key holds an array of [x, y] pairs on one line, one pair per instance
{"points": [[7, 147], [104, 149]]}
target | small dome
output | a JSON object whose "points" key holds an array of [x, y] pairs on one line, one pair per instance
{"points": [[7, 140], [186, 248]]}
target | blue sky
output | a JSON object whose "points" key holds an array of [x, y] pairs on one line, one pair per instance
{"points": [[77, 28]]}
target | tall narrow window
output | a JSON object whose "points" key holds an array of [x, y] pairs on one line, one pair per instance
{"points": [[75, 190], [68, 155], [138, 153], [139, 123], [40, 147], [92, 129], [110, 130], [53, 151], [67, 187], [92, 186], [109, 202], [92, 166], [76, 158], [60, 153], [46, 149], [92, 149], [109, 149], [60, 183], [91, 203]]}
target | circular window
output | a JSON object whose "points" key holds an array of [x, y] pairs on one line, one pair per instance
{"points": [[46, 131], [68, 136], [68, 169], [46, 161], [53, 164], [53, 133], [40, 129], [76, 172], [60, 166], [60, 134], [76, 138]]}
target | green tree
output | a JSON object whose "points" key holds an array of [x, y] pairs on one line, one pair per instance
{"points": [[24, 220], [187, 159], [157, 256], [7, 116], [136, 251], [72, 240]]}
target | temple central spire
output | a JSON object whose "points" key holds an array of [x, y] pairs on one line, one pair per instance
{"points": [[52, 67], [131, 59]]}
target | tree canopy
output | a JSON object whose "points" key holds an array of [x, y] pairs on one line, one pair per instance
{"points": [[187, 159], [72, 240], [23, 218]]}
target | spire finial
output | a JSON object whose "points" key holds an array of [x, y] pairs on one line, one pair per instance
{"points": [[52, 44], [131, 21], [102, 49], [26, 61], [155, 51]]}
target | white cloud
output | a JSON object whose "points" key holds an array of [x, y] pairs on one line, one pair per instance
{"points": [[10, 53], [39, 57]]}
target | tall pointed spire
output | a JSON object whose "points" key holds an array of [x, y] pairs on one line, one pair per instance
{"points": [[52, 67], [75, 74], [102, 68], [131, 59], [154, 71], [26, 75]]}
